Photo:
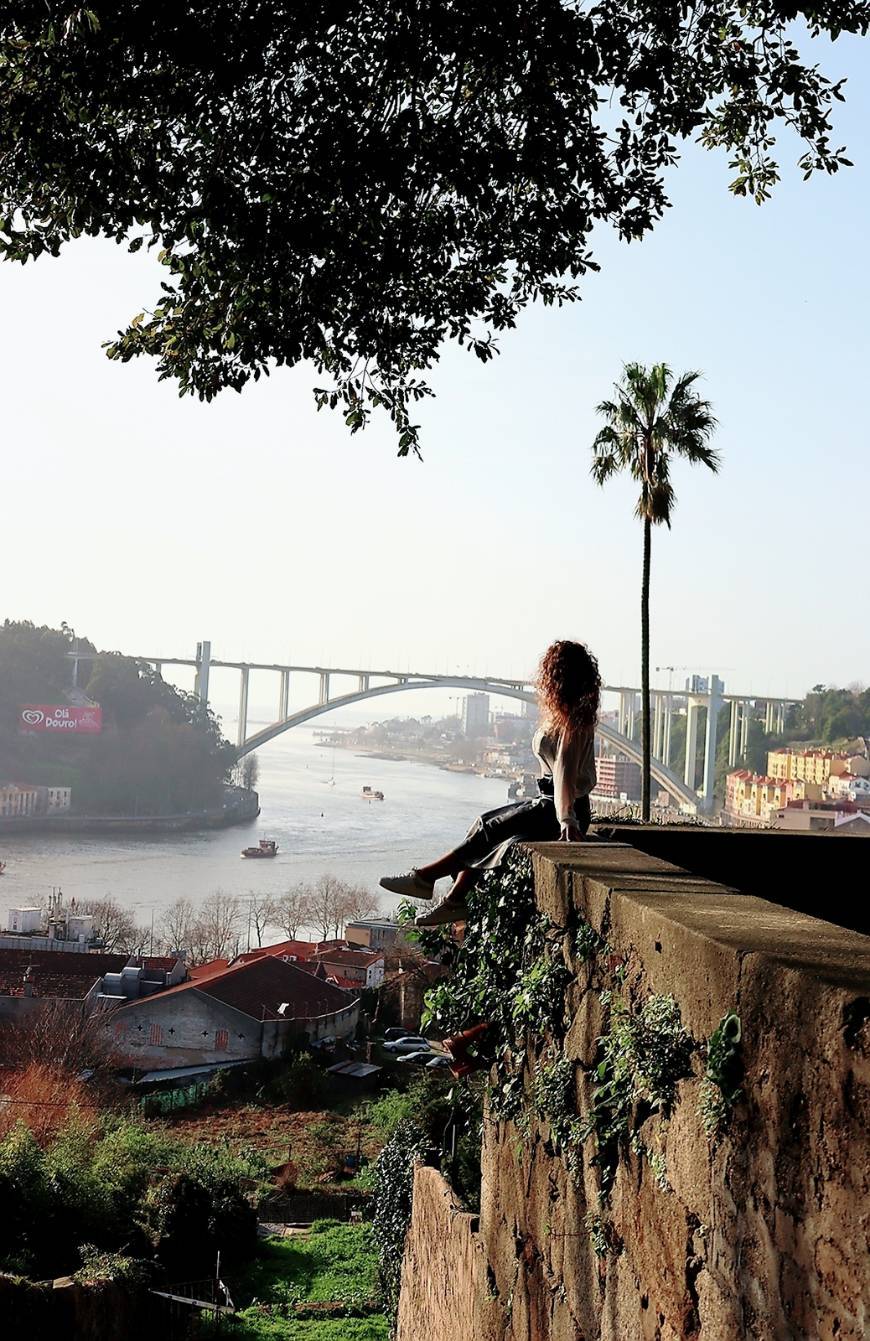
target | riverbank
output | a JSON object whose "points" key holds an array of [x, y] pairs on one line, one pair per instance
{"points": [[412, 753], [239, 807]]}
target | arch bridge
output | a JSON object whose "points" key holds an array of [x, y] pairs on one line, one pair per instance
{"points": [[707, 696]]}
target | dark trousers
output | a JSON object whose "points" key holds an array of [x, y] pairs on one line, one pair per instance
{"points": [[492, 834]]}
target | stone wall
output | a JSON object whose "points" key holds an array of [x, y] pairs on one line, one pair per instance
{"points": [[761, 1232], [447, 1292]]}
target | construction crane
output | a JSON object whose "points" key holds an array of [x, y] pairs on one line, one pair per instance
{"points": [[694, 667]]}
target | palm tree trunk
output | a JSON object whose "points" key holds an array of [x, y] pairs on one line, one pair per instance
{"points": [[644, 672]]}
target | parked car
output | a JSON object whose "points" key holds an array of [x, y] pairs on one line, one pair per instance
{"points": [[407, 1043], [421, 1058], [439, 1062], [394, 1032]]}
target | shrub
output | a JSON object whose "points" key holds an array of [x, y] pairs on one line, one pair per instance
{"points": [[118, 1186], [393, 1196]]}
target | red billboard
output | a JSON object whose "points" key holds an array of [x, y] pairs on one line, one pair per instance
{"points": [[35, 717]]}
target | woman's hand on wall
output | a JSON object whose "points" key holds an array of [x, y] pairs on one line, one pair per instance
{"points": [[570, 833]]}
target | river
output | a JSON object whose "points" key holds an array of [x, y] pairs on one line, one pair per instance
{"points": [[319, 827]]}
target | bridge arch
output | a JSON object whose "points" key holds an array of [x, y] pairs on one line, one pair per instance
{"points": [[663, 775]]}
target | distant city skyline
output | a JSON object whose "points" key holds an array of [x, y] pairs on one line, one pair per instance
{"points": [[147, 522]]}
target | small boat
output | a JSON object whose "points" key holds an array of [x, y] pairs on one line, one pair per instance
{"points": [[267, 847], [370, 794], [2, 867]]}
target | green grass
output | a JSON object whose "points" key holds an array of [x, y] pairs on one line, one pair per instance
{"points": [[253, 1326], [335, 1262]]}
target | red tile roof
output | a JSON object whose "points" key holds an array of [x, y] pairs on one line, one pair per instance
{"points": [[66, 973], [357, 958], [206, 970], [299, 949], [55, 972], [258, 988]]}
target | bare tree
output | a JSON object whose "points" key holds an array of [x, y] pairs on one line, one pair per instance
{"points": [[292, 910], [324, 914], [261, 914], [61, 1037], [216, 929], [333, 902], [355, 902], [57, 1057], [246, 772], [176, 926], [116, 925]]}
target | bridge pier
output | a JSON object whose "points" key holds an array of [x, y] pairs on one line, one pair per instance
{"points": [[745, 719], [714, 704], [203, 666], [733, 732], [284, 697], [768, 718], [243, 707], [627, 713], [691, 742], [363, 684], [324, 687], [666, 732]]}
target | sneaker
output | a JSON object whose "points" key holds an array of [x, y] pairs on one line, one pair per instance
{"points": [[451, 909], [411, 885]]}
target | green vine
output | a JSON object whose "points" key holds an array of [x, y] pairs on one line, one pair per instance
{"points": [[512, 971], [641, 1058], [721, 1086], [539, 999], [588, 944], [392, 1200]]}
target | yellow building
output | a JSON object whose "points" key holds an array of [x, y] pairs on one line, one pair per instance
{"points": [[754, 796], [811, 766]]}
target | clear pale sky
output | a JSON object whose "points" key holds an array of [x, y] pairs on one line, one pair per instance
{"points": [[148, 522]]}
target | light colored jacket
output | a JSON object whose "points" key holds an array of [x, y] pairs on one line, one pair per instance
{"points": [[569, 758]]}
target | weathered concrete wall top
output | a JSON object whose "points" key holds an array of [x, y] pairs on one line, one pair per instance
{"points": [[759, 1229]]}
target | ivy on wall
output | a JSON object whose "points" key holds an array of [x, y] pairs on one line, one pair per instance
{"points": [[515, 969]]}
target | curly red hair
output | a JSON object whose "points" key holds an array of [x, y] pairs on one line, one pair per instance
{"points": [[569, 686]]}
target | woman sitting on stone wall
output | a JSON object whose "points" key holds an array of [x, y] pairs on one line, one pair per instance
{"points": [[569, 689]]}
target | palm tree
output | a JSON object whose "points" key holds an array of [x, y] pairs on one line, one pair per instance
{"points": [[653, 418]]}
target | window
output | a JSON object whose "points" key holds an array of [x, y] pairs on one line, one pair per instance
{"points": [[221, 1038], [156, 1034]]}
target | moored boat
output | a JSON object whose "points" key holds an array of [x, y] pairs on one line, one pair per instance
{"points": [[371, 794]]}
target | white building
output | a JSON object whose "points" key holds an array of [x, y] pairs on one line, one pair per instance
{"points": [[475, 715], [24, 920], [18, 800], [57, 799], [848, 788]]}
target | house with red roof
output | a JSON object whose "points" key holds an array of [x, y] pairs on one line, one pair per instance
{"points": [[31, 979], [245, 1011], [351, 966]]}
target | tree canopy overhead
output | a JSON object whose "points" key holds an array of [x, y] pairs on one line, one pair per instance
{"points": [[354, 182]]}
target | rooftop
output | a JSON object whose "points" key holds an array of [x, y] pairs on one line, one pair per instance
{"points": [[360, 958], [261, 987], [67, 974]]}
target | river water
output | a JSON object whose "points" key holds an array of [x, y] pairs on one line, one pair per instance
{"points": [[319, 827]]}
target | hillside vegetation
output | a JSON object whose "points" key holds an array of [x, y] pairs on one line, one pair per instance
{"points": [[160, 752]]}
